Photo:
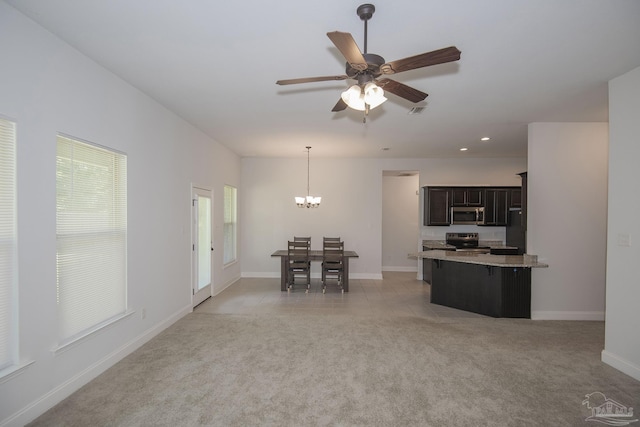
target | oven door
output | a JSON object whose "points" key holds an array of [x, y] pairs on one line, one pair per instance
{"points": [[463, 215]]}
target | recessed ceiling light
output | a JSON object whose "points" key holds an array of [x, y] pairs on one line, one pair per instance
{"points": [[384, 149], [486, 138], [463, 149]]}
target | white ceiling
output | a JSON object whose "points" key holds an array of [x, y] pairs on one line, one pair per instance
{"points": [[215, 64]]}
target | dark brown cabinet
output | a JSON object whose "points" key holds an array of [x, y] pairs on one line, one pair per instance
{"points": [[491, 291], [523, 199], [436, 206], [496, 201], [467, 196], [496, 207], [515, 198]]}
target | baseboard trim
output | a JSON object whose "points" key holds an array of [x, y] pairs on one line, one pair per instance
{"points": [[568, 315], [64, 390], [370, 276], [226, 285], [621, 364], [401, 269], [258, 275], [252, 275]]}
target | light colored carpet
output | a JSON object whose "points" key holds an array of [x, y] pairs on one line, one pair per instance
{"points": [[346, 370]]}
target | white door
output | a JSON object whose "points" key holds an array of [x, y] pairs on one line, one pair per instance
{"points": [[202, 244]]}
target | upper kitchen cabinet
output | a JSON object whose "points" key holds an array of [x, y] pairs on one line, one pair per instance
{"points": [[496, 206], [467, 196], [496, 201], [515, 198], [437, 206]]}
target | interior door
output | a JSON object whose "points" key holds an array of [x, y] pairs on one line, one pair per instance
{"points": [[202, 244]]}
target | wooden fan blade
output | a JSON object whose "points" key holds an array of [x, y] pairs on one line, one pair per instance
{"points": [[310, 80], [341, 105], [402, 90], [349, 49], [440, 56]]}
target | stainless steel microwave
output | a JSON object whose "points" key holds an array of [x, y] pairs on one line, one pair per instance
{"points": [[467, 215]]}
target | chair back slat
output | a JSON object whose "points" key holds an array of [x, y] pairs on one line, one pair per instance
{"points": [[298, 252], [333, 253]]}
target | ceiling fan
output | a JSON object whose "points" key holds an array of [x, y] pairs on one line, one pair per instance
{"points": [[367, 68]]}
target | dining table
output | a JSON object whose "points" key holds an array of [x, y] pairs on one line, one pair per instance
{"points": [[314, 255]]}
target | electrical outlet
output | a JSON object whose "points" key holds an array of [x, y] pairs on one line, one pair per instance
{"points": [[143, 313]]}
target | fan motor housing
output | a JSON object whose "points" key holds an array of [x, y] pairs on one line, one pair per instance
{"points": [[373, 61]]}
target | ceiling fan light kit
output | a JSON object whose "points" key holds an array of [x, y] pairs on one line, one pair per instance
{"points": [[360, 98], [366, 68]]}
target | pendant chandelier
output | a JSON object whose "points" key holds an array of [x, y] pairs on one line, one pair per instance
{"points": [[309, 201]]}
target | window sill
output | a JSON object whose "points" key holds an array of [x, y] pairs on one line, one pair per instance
{"points": [[13, 371], [229, 264], [61, 348]]}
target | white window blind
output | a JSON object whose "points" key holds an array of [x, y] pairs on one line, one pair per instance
{"points": [[91, 234], [230, 224], [8, 261]]}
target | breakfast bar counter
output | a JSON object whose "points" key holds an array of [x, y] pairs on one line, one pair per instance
{"points": [[492, 285], [529, 261]]}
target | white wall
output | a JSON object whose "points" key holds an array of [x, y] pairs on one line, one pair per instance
{"points": [[48, 87], [567, 219], [351, 209], [400, 221], [351, 191], [622, 346]]}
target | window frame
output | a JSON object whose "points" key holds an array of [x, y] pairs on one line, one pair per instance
{"points": [[97, 217], [230, 227], [8, 239]]}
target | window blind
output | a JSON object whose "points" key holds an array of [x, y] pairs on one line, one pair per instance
{"points": [[230, 208], [8, 261], [91, 236]]}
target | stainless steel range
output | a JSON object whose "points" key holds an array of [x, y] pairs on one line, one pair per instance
{"points": [[466, 242]]}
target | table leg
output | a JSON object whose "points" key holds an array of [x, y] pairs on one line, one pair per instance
{"points": [[345, 273], [284, 260]]}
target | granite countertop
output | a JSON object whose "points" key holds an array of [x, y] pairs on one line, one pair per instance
{"points": [[530, 261], [442, 245], [437, 244]]}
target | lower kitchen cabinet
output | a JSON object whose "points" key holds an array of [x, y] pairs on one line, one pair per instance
{"points": [[484, 289], [426, 267]]}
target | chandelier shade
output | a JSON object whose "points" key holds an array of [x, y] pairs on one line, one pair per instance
{"points": [[308, 201]]}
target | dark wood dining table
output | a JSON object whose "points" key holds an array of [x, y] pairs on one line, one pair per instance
{"points": [[314, 255]]}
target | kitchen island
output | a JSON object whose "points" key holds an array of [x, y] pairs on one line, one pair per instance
{"points": [[492, 285]]}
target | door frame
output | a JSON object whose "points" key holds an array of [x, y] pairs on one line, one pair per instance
{"points": [[200, 295]]}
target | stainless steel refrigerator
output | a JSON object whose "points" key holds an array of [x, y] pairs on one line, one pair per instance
{"points": [[516, 231]]}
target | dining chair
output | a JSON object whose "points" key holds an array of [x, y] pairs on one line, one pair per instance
{"points": [[299, 263], [304, 239], [332, 262]]}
